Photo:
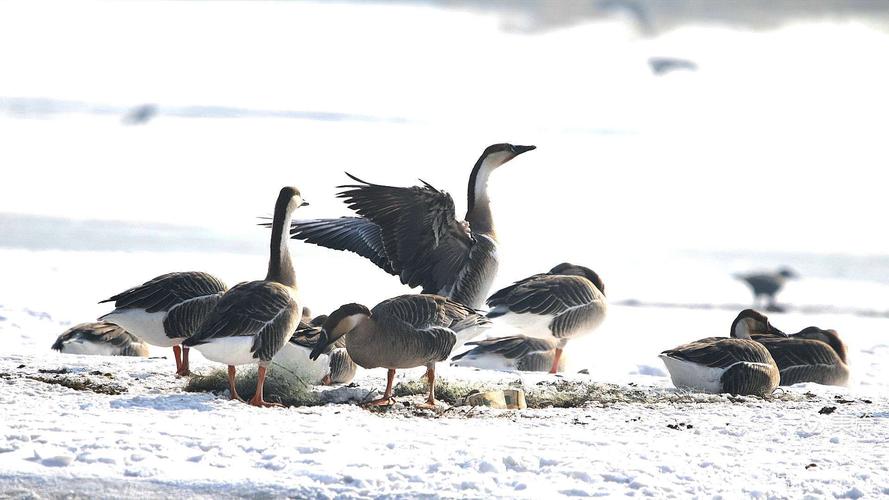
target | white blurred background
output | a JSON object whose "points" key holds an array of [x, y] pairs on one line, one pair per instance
{"points": [[143, 137]]}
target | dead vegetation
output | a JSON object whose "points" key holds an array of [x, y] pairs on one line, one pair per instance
{"points": [[281, 386]]}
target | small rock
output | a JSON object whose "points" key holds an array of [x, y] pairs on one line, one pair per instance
{"points": [[810, 466], [585, 371], [827, 410]]}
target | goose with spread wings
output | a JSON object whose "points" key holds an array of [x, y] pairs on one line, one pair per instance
{"points": [[413, 232], [564, 303]]}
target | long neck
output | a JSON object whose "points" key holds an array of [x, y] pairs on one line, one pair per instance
{"points": [[280, 265], [478, 212]]}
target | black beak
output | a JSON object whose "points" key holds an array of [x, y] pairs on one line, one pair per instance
{"points": [[774, 331], [304, 204], [523, 149], [320, 347]]}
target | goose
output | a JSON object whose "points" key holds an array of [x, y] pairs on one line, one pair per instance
{"points": [[167, 309], [811, 355], [516, 353], [253, 320], [402, 332], [334, 366], [564, 303], [413, 232], [737, 365], [767, 285], [103, 339]]}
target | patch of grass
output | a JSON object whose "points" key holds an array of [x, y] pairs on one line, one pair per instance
{"points": [[281, 386], [451, 392], [81, 384]]}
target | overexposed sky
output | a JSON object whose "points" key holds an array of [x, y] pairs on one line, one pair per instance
{"points": [[777, 142]]}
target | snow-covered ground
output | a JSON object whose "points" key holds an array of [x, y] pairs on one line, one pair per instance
{"points": [[154, 439]]}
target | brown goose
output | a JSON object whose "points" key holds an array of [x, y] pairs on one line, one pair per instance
{"points": [[166, 310], [402, 332], [254, 320], [735, 365], [766, 285], [104, 339], [811, 355], [511, 353], [567, 302], [413, 232]]}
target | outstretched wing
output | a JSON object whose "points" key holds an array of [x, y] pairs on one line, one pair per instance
{"points": [[352, 234], [167, 290]]}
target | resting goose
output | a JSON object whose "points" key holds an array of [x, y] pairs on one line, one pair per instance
{"points": [[767, 285], [403, 332], [511, 353], [811, 355], [166, 310], [413, 232], [566, 302], [254, 320], [735, 365], [333, 366], [104, 339]]}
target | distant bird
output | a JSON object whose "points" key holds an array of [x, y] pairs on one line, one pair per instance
{"points": [[767, 285], [663, 65], [167, 309], [140, 114], [402, 332], [333, 366], [254, 320], [103, 339], [811, 355], [413, 232], [511, 353], [565, 303], [736, 365]]}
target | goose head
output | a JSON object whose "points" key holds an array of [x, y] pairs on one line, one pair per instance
{"points": [[339, 323], [750, 322], [787, 273], [290, 199], [829, 337], [498, 154], [569, 269]]}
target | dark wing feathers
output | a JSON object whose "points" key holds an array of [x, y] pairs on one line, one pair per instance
{"points": [[721, 353], [167, 290], [509, 347], [543, 294], [100, 332], [790, 352], [185, 318], [353, 234], [262, 309], [424, 311]]}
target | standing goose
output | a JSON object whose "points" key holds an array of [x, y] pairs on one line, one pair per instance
{"points": [[166, 310], [736, 365], [511, 353], [767, 285], [566, 302], [413, 232], [402, 332], [104, 339], [333, 366], [254, 320], [811, 355]]}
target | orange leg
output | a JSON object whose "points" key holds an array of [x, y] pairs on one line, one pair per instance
{"points": [[183, 366], [177, 354], [231, 384], [257, 400], [386, 400], [556, 358], [430, 377]]}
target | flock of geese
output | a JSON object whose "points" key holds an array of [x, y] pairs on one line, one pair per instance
{"points": [[413, 233]]}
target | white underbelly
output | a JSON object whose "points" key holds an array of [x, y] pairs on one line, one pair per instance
{"points": [[688, 375], [78, 346], [295, 359], [229, 350], [529, 325], [147, 326]]}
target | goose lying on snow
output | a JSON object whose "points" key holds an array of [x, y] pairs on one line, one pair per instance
{"points": [[812, 355], [167, 309], [402, 332], [413, 232], [511, 353], [104, 339], [735, 365], [566, 302], [254, 320], [333, 366]]}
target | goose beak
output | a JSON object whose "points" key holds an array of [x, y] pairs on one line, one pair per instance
{"points": [[322, 344], [774, 331], [523, 149], [304, 204]]}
